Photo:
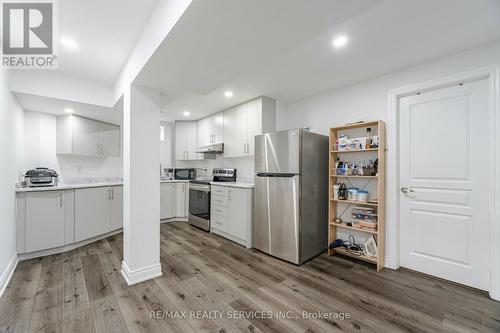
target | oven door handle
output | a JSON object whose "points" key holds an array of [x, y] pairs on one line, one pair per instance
{"points": [[199, 189]]}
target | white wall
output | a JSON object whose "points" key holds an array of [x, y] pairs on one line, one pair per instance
{"points": [[368, 99], [40, 151], [11, 147]]}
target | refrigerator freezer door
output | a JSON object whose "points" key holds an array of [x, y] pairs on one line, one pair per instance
{"points": [[277, 216], [278, 152]]}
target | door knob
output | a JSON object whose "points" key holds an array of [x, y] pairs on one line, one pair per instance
{"points": [[405, 189]]}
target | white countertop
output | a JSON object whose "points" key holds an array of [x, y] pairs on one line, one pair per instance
{"points": [[236, 184], [67, 187], [84, 185], [174, 181]]}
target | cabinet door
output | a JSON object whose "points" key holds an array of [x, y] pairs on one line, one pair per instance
{"points": [[254, 124], [85, 136], [180, 200], [180, 140], [200, 133], [235, 131], [116, 207], [191, 141], [109, 140], [229, 130], [241, 130], [167, 200], [218, 127], [44, 220], [238, 212], [91, 212]]}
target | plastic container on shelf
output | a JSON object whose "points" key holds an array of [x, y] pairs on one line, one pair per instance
{"points": [[362, 196], [352, 193]]}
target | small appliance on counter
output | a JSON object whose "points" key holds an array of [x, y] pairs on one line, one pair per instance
{"points": [[185, 173], [40, 177], [169, 173], [199, 197]]}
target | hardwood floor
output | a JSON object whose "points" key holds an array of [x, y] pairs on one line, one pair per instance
{"points": [[83, 291]]}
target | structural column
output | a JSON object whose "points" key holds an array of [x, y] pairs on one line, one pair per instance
{"points": [[141, 186]]}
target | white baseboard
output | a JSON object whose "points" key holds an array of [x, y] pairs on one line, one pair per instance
{"points": [[140, 275], [7, 275]]}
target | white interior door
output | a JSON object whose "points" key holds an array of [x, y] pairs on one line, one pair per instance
{"points": [[444, 178]]}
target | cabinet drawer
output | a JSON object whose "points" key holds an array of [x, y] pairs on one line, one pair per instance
{"points": [[219, 222], [220, 210], [220, 201], [220, 190]]}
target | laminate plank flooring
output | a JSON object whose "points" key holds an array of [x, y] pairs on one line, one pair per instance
{"points": [[211, 284]]}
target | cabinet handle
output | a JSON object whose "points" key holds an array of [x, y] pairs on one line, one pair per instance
{"points": [[112, 193], [229, 195], [102, 148], [97, 148], [60, 200]]}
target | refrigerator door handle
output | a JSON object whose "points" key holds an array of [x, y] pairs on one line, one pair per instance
{"points": [[281, 175]]}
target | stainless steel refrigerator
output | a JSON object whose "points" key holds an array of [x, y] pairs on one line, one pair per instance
{"points": [[291, 186]]}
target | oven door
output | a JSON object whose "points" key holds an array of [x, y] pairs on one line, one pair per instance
{"points": [[199, 206]]}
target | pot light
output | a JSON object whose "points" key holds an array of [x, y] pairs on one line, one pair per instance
{"points": [[340, 41], [69, 110], [69, 43], [228, 93], [186, 113]]}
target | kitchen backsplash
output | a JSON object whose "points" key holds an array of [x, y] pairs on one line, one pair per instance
{"points": [[243, 165]]}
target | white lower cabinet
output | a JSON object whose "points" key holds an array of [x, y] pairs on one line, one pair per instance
{"points": [[174, 200], [181, 199], [45, 219], [167, 200], [231, 213], [51, 219], [97, 211], [116, 208]]}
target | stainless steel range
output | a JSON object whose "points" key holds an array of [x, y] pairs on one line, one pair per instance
{"points": [[199, 197]]}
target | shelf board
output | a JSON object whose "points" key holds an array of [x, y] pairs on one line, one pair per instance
{"points": [[341, 250], [356, 202], [356, 125], [375, 232], [344, 176], [353, 151]]}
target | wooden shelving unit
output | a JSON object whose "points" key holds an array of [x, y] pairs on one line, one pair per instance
{"points": [[374, 153]]}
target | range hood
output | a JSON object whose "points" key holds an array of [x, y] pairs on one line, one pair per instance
{"points": [[216, 148]]}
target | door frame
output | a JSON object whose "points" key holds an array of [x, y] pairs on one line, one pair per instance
{"points": [[492, 74]]}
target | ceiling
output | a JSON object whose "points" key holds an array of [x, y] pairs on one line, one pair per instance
{"points": [[105, 31], [56, 107], [283, 48]]}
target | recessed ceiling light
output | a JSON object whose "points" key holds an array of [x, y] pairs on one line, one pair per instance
{"points": [[69, 43], [186, 113], [228, 93], [340, 41], [69, 110]]}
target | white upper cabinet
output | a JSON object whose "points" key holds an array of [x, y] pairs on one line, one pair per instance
{"points": [[210, 130], [185, 141], [243, 122], [109, 139], [83, 136]]}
